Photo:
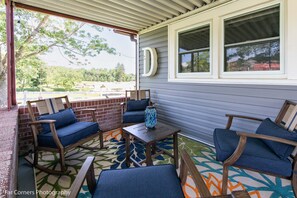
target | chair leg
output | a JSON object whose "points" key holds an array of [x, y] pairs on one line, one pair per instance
{"points": [[294, 179], [225, 180], [35, 162], [62, 160], [294, 184], [121, 130], [101, 140]]}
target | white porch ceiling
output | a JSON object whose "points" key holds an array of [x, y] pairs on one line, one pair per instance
{"points": [[135, 15]]}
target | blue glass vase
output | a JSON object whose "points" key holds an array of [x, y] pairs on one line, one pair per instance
{"points": [[150, 117]]}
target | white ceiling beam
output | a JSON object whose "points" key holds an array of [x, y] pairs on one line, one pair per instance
{"points": [[162, 7], [133, 7], [197, 3], [101, 11], [115, 10], [73, 5], [208, 1], [183, 16], [173, 5], [185, 4], [144, 6], [82, 15], [131, 14]]}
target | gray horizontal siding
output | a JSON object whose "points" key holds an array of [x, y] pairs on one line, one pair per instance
{"points": [[196, 108]]}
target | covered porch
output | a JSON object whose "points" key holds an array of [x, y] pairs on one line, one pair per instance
{"points": [[193, 101]]}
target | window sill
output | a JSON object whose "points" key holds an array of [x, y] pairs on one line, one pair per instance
{"points": [[238, 81]]}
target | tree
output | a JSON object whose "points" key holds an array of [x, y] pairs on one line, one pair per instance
{"points": [[31, 73], [63, 77], [119, 72], [37, 34]]}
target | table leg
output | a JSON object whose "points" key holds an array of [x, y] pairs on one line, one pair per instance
{"points": [[175, 150], [154, 148], [127, 146], [148, 155]]}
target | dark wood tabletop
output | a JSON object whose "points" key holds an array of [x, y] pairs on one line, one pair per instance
{"points": [[146, 135]]}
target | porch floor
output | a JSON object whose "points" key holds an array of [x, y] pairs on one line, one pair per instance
{"points": [[26, 178], [258, 185]]}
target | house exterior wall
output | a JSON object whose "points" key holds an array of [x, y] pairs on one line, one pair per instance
{"points": [[198, 108]]}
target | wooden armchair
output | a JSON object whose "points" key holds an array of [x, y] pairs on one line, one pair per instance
{"points": [[150, 181], [271, 147], [56, 129], [132, 110]]}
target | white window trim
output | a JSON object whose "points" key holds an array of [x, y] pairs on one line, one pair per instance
{"points": [[255, 74], [194, 74], [173, 73], [288, 76]]}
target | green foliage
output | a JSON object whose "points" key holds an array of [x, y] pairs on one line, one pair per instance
{"points": [[104, 75], [63, 77], [30, 73], [37, 34], [58, 78]]}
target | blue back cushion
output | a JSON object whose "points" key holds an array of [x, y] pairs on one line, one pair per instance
{"points": [[63, 118], [267, 127], [137, 105]]}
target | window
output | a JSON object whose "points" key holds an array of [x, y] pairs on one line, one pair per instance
{"points": [[193, 50], [246, 42], [252, 42]]}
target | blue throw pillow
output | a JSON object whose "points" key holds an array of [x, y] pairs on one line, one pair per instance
{"points": [[63, 118], [137, 105], [267, 127]]}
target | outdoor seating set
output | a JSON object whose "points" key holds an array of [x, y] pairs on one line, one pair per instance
{"points": [[55, 128], [271, 150]]}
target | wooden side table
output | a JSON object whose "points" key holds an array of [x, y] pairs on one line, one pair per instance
{"points": [[150, 137]]}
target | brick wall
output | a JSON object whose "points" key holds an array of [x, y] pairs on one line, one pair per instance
{"points": [[108, 114], [8, 151]]}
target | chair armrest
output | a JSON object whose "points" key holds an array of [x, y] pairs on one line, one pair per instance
{"points": [[267, 137], [231, 116], [123, 105], [244, 117], [37, 122], [187, 165], [89, 109], [52, 129], [92, 111], [86, 172]]}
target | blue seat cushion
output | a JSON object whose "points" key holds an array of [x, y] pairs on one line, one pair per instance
{"points": [[256, 155], [151, 181], [133, 117], [69, 135], [267, 127], [137, 105], [63, 118]]}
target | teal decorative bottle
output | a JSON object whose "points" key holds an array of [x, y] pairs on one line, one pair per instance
{"points": [[150, 117]]}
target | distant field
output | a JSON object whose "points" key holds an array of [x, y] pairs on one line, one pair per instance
{"points": [[99, 90], [22, 97]]}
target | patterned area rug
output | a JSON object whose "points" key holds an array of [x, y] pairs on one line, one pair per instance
{"points": [[258, 185]]}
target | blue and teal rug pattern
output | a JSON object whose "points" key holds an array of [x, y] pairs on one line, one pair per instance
{"points": [[258, 185]]}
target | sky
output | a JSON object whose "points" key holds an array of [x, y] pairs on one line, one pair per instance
{"points": [[125, 53]]}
